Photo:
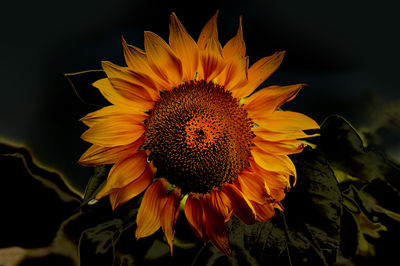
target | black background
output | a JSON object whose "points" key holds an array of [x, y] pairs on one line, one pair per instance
{"points": [[347, 51]]}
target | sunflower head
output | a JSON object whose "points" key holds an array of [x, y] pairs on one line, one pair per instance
{"points": [[183, 124]]}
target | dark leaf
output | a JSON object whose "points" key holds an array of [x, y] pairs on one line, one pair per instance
{"points": [[370, 186], [307, 232], [96, 182], [82, 82]]}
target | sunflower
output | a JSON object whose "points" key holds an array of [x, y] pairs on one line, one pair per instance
{"points": [[185, 127]]}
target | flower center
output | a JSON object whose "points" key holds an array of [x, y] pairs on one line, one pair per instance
{"points": [[199, 137]]}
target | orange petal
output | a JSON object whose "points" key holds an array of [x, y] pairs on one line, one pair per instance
{"points": [[209, 31], [270, 98], [98, 155], [236, 45], [277, 183], [137, 96], [194, 215], [112, 110], [268, 135], [235, 73], [222, 203], [124, 172], [136, 60], [114, 131], [148, 218], [264, 212], [241, 206], [279, 147], [184, 47], [273, 162], [162, 60], [131, 190], [254, 187], [285, 121], [259, 72], [169, 216], [139, 83], [215, 224], [211, 60]]}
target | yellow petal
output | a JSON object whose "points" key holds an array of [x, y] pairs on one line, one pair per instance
{"points": [[236, 45], [169, 216], [211, 61], [148, 219], [114, 131], [254, 187], [98, 155], [285, 121], [268, 135], [162, 60], [112, 110], [279, 147], [277, 183], [114, 97], [124, 172], [272, 162], [209, 31], [139, 82], [184, 47], [234, 74], [270, 98], [136, 60], [131, 190], [259, 72]]}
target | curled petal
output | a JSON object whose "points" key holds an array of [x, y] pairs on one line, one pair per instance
{"points": [[131, 190], [273, 163], [254, 187], [194, 215], [269, 135], [241, 206], [279, 147], [162, 60], [124, 172], [270, 98], [184, 47], [277, 183], [148, 218], [170, 215], [264, 212], [259, 72]]}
